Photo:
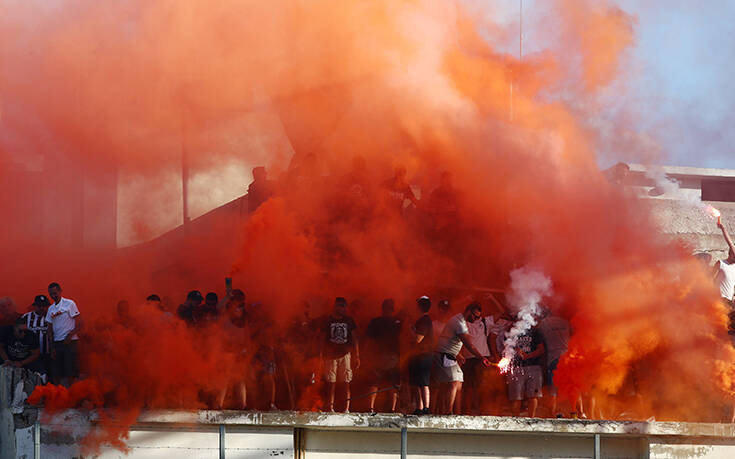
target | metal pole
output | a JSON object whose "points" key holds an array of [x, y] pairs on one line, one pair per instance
{"points": [[37, 439], [222, 441], [520, 35], [597, 454], [404, 442]]}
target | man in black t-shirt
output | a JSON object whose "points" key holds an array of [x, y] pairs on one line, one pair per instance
{"points": [[419, 366], [525, 378], [19, 347], [384, 348], [340, 341]]}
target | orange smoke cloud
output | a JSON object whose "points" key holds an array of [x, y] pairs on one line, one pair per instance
{"points": [[335, 96]]}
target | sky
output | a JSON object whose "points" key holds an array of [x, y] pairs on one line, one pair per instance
{"points": [[677, 75]]}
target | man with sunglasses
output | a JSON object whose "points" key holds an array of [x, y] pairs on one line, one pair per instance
{"points": [[453, 337]]}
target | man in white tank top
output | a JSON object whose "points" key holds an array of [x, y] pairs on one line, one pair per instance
{"points": [[725, 269]]}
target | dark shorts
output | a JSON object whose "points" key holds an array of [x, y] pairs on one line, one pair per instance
{"points": [[474, 372], [549, 376], [66, 362], [387, 376], [419, 370]]}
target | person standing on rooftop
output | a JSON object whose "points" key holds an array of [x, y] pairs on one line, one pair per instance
{"points": [[66, 322]]}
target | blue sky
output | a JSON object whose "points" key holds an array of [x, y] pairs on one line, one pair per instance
{"points": [[677, 76]]}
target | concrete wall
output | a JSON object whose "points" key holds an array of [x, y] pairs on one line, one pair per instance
{"points": [[254, 435], [286, 434]]}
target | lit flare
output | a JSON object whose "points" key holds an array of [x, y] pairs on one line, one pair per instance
{"points": [[504, 364], [713, 211]]}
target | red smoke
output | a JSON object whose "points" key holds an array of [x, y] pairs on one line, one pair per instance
{"points": [[330, 96]]}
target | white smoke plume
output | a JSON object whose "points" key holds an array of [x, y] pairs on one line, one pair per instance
{"points": [[528, 286], [665, 185]]}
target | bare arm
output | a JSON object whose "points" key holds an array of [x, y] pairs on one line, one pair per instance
{"points": [[357, 349], [77, 328], [725, 234], [538, 352], [31, 358]]}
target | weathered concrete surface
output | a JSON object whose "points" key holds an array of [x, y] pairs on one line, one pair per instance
{"points": [[15, 416], [364, 421]]}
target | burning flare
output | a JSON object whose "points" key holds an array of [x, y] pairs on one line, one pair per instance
{"points": [[713, 211], [504, 364]]}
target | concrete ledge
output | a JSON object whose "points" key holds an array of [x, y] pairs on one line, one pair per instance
{"points": [[387, 422]]}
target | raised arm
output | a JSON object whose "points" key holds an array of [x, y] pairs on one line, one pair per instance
{"points": [[725, 234]]}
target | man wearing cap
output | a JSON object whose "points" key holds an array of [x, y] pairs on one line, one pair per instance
{"points": [[35, 321], [63, 315]]}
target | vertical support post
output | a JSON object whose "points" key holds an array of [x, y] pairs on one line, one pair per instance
{"points": [[598, 453], [520, 29], [404, 442], [299, 443], [37, 439], [221, 441], [645, 448]]}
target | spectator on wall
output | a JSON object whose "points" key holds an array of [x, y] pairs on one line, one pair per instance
{"points": [[66, 322], [447, 358], [20, 347], [474, 371], [35, 320], [725, 269], [419, 365], [555, 332], [338, 348], [525, 376], [383, 348]]}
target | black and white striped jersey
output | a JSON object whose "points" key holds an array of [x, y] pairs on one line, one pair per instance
{"points": [[38, 325]]}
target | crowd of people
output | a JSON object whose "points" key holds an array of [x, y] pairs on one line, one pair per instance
{"points": [[45, 339], [418, 357], [423, 360]]}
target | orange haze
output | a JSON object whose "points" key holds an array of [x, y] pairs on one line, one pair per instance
{"points": [[359, 88]]}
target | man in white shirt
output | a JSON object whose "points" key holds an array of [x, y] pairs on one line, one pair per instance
{"points": [[725, 269], [473, 369], [63, 315]]}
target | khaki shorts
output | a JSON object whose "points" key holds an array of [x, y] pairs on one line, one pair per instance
{"points": [[338, 370], [524, 383], [445, 370]]}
